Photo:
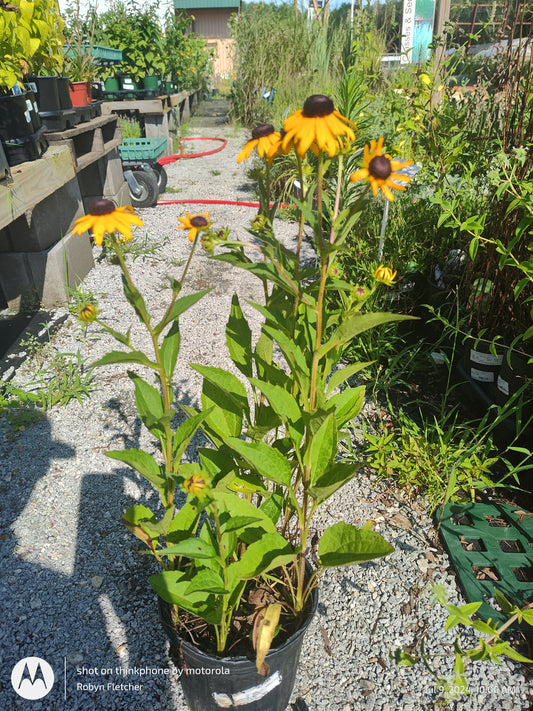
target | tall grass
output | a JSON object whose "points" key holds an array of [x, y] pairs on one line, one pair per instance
{"points": [[277, 49]]}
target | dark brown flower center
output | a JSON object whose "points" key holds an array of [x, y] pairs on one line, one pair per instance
{"points": [[101, 207], [199, 221], [265, 129], [380, 167], [317, 106]]}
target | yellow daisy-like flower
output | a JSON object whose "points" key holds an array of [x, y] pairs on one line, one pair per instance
{"points": [[105, 217], [265, 139], [381, 170], [87, 313], [195, 224], [195, 485], [385, 275], [317, 127]]}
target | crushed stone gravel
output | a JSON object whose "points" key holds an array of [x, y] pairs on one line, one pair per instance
{"points": [[73, 587]]}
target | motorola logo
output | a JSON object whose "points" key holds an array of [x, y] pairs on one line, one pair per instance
{"points": [[32, 678]]}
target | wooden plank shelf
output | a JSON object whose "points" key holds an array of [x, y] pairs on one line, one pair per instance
{"points": [[89, 141], [33, 181]]}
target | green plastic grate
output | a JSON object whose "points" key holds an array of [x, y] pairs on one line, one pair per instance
{"points": [[491, 546], [142, 148]]}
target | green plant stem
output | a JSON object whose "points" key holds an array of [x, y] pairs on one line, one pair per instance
{"points": [[337, 198], [222, 633], [164, 322], [164, 381]]}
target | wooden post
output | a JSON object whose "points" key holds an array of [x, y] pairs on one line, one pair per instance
{"points": [[443, 15]]}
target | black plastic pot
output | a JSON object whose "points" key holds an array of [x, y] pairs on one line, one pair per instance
{"points": [[46, 89], [480, 362], [63, 92], [515, 374], [16, 114], [210, 683]]}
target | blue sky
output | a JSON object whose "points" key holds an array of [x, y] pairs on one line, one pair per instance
{"points": [[103, 4]]}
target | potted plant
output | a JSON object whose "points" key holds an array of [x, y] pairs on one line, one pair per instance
{"points": [[235, 534], [80, 61], [30, 36]]}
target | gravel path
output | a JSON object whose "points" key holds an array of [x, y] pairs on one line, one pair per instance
{"points": [[73, 588]]}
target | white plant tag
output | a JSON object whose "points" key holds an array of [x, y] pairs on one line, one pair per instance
{"points": [[485, 358], [483, 376], [254, 693]]}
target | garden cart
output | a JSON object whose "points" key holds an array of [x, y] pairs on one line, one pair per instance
{"points": [[146, 177]]}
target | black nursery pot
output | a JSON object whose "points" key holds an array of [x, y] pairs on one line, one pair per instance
{"points": [[47, 93], [16, 116], [211, 683]]}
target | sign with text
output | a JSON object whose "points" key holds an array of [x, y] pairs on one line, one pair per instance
{"points": [[417, 30]]}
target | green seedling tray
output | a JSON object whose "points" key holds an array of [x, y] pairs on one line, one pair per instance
{"points": [[491, 546], [142, 148]]}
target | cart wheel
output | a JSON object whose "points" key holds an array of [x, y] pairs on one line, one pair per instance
{"points": [[161, 175], [148, 187]]}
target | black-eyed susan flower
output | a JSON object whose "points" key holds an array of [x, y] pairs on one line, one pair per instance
{"points": [[317, 126], [105, 217], [196, 485], [195, 224], [381, 170], [385, 275], [265, 139], [87, 313]]}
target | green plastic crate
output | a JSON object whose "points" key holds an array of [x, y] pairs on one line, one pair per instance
{"points": [[490, 546], [142, 148]]}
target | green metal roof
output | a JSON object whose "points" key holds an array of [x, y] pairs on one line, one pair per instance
{"points": [[205, 4]]}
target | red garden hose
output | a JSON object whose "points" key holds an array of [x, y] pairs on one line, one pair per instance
{"points": [[171, 159], [177, 156]]}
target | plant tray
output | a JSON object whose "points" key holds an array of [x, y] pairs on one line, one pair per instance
{"points": [[28, 148], [142, 148], [491, 546]]}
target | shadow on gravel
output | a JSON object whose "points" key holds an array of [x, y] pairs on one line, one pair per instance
{"points": [[73, 587]]}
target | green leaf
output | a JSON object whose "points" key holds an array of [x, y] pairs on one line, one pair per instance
{"points": [[270, 551], [230, 387], [347, 404], [294, 357], [180, 305], [185, 432], [194, 548], [285, 405], [184, 523], [339, 376], [134, 518], [125, 357], [513, 654], [150, 406], [404, 659], [207, 581], [503, 602], [273, 504], [239, 338], [460, 615], [143, 463], [355, 324], [172, 586], [343, 544], [332, 480], [237, 507], [473, 248], [263, 459], [230, 523], [170, 349], [527, 616], [322, 448]]}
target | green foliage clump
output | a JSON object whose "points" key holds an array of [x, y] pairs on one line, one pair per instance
{"points": [[274, 48]]}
